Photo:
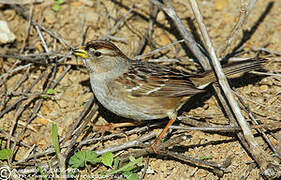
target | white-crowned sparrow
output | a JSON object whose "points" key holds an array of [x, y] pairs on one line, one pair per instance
{"points": [[145, 91]]}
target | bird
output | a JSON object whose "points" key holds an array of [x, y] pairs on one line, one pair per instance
{"points": [[142, 90]]}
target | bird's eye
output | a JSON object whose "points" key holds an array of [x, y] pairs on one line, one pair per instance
{"points": [[97, 53]]}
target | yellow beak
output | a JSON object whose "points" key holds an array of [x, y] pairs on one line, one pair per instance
{"points": [[80, 52]]}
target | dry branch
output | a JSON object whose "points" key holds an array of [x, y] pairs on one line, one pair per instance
{"points": [[266, 163]]}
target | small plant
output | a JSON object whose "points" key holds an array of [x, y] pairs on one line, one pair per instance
{"points": [[205, 158], [81, 158], [57, 5], [55, 140], [5, 154], [50, 92]]}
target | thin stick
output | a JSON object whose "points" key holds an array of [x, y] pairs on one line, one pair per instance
{"points": [[259, 155], [234, 33], [189, 41], [121, 21], [226, 128], [128, 144], [150, 30], [27, 29], [22, 12], [20, 1], [158, 50], [44, 44], [260, 130]]}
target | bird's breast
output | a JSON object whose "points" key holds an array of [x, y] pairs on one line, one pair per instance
{"points": [[137, 108]]}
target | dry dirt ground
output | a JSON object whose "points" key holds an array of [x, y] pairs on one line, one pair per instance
{"points": [[261, 95]]}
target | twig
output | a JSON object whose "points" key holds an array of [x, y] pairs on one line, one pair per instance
{"points": [[259, 155], [215, 167], [147, 150], [4, 78], [144, 168], [258, 49], [42, 39], [148, 34], [27, 29], [260, 130], [22, 12], [7, 136], [40, 102], [133, 131], [29, 100], [158, 50], [189, 41], [79, 130], [241, 21], [20, 1], [10, 107], [266, 73], [16, 85], [217, 128], [120, 22], [128, 144], [15, 120], [86, 110]]}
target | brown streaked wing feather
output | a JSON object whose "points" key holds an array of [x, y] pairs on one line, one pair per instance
{"points": [[147, 79]]}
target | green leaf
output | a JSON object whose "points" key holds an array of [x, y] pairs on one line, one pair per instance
{"points": [[5, 154], [44, 96], [50, 91], [127, 167], [132, 158], [60, 1], [133, 176], [42, 173], [205, 157], [56, 7], [55, 138], [107, 159], [80, 158], [92, 157], [116, 163]]}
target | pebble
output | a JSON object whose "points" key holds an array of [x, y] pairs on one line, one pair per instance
{"points": [[89, 3], [263, 87], [6, 36]]}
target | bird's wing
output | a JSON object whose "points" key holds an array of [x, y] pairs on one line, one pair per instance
{"points": [[148, 79]]}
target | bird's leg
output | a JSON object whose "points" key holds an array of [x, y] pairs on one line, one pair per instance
{"points": [[173, 118]]}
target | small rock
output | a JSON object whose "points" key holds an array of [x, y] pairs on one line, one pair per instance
{"points": [[264, 88], [87, 2], [150, 170], [164, 39], [161, 16], [41, 121], [6, 36]]}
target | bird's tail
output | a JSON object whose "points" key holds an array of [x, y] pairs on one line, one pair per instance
{"points": [[231, 70]]}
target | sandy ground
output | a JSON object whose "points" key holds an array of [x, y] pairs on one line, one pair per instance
{"points": [[262, 96]]}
